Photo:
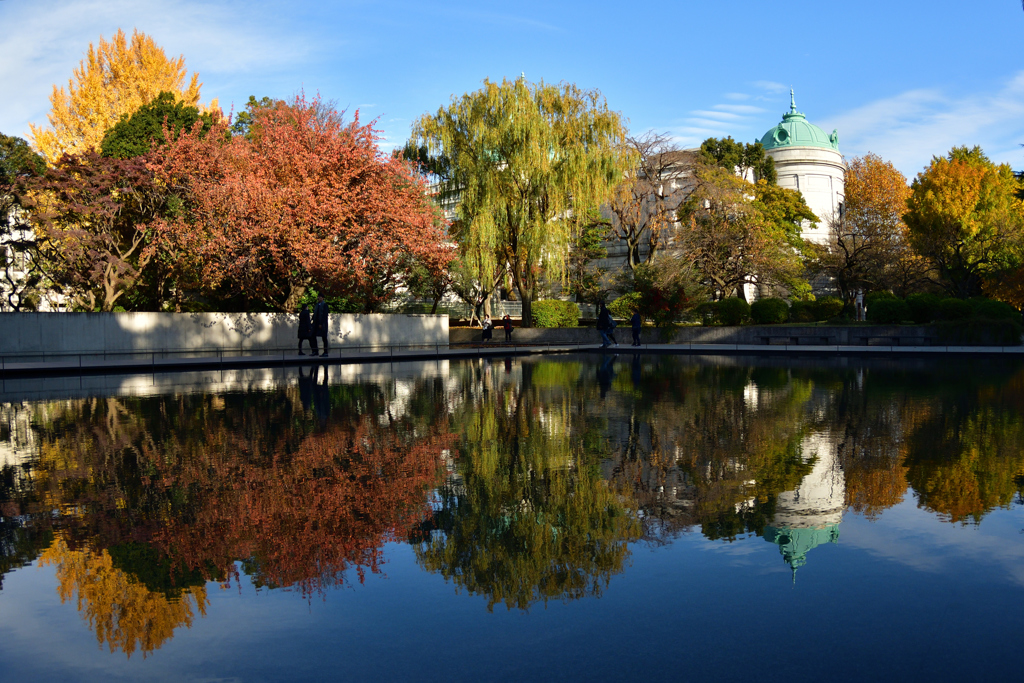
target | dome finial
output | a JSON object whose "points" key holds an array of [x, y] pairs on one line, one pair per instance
{"points": [[792, 102]]}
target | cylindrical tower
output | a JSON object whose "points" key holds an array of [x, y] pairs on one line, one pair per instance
{"points": [[808, 160]]}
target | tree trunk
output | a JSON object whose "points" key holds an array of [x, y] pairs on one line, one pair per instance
{"points": [[294, 294], [526, 296]]}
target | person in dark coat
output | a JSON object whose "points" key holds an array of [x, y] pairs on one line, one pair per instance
{"points": [[320, 322], [605, 325], [636, 322], [306, 330], [507, 324]]}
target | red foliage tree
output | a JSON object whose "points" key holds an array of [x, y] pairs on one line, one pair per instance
{"points": [[310, 513], [96, 215], [305, 199]]}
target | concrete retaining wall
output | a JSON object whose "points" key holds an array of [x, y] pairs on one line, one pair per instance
{"points": [[24, 333], [854, 335]]}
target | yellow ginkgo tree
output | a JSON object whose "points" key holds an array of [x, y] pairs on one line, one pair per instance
{"points": [[114, 79]]}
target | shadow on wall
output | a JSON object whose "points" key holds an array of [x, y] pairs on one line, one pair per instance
{"points": [[27, 333]]}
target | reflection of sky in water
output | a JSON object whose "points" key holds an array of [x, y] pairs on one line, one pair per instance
{"points": [[902, 594]]}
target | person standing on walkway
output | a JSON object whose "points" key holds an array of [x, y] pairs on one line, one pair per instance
{"points": [[321, 320], [507, 324], [605, 325], [636, 322], [306, 330], [488, 329]]}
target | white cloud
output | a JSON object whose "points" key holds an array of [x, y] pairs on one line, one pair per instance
{"points": [[717, 115], [770, 86], [739, 108], [912, 127], [52, 37]]}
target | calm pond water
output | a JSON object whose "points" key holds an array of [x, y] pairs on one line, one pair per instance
{"points": [[587, 518]]}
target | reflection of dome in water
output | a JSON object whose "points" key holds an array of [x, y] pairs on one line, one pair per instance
{"points": [[795, 543], [809, 515]]}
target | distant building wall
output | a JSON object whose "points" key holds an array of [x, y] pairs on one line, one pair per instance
{"points": [[118, 332]]}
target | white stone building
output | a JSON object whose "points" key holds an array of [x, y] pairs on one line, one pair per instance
{"points": [[808, 160]]}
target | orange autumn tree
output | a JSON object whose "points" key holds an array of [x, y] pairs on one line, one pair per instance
{"points": [[306, 199], [869, 244], [965, 215], [115, 79]]}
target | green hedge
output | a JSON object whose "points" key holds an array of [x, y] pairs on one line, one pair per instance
{"points": [[825, 308], [555, 313], [994, 310], [924, 308], [769, 311], [732, 311], [828, 307], [873, 297], [888, 311], [624, 306]]}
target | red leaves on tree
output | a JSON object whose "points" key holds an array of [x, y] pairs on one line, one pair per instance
{"points": [[306, 199], [307, 515], [95, 214]]}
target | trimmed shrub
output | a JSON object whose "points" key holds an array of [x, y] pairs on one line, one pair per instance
{"points": [[802, 311], [707, 313], [955, 309], [888, 311], [924, 308], [624, 306], [732, 311], [827, 307], [555, 313], [769, 311], [872, 297], [994, 310]]}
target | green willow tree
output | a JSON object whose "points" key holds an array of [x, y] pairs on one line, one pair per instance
{"points": [[522, 158]]}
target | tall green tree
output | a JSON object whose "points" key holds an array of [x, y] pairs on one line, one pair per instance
{"points": [[135, 135], [964, 214], [736, 232], [747, 159], [523, 158]]}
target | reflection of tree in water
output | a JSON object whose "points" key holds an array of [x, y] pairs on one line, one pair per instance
{"points": [[527, 517], [967, 457], [159, 495], [707, 446], [125, 614]]}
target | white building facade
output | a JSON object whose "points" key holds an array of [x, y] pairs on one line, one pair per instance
{"points": [[808, 160]]}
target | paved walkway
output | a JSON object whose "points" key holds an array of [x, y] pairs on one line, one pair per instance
{"points": [[157, 362]]}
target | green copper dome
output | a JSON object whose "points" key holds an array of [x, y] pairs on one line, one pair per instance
{"points": [[795, 131], [795, 543]]}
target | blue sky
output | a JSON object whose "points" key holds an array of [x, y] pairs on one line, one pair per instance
{"points": [[906, 79]]}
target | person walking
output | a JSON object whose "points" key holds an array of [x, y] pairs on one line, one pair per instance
{"points": [[488, 329], [636, 322], [321, 322], [605, 325], [306, 330], [507, 323]]}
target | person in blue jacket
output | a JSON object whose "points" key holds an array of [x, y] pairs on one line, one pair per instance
{"points": [[636, 322]]}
